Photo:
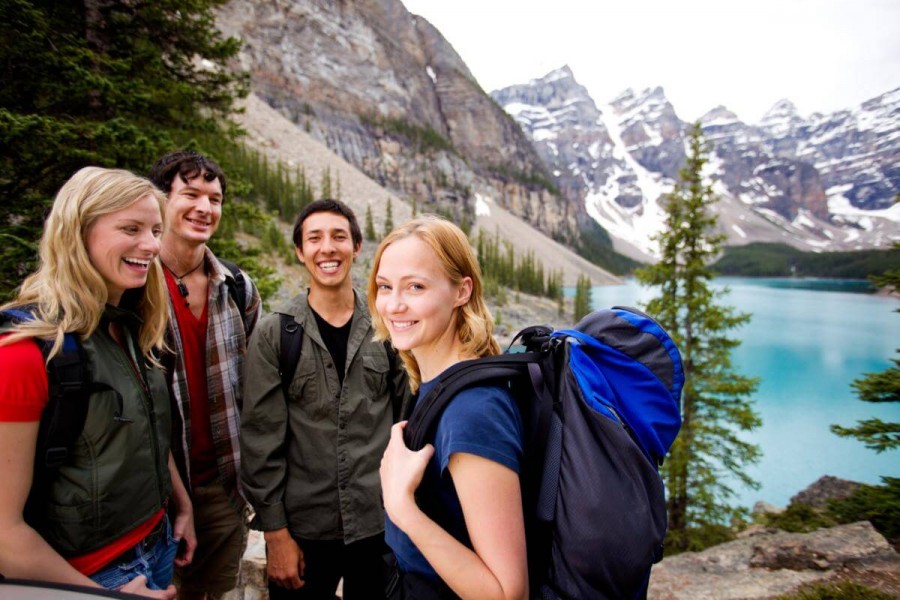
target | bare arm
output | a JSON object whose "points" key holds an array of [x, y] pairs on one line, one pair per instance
{"points": [[183, 527], [23, 552], [490, 497]]}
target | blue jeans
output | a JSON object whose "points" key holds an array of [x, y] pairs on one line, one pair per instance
{"points": [[156, 563]]}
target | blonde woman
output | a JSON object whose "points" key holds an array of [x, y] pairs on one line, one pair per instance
{"points": [[100, 518], [425, 294]]}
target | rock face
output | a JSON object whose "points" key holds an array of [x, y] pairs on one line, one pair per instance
{"points": [[768, 564], [819, 183], [383, 89], [824, 489]]}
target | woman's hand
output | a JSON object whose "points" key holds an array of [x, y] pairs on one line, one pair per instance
{"points": [[401, 473], [138, 586]]}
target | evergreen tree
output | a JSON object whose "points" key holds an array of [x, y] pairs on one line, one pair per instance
{"points": [[325, 184], [582, 297], [112, 83], [883, 386], [388, 218], [708, 454], [370, 225], [415, 208]]}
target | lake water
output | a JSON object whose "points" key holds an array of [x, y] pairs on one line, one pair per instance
{"points": [[807, 341]]}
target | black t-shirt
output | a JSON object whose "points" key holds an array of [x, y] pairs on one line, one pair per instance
{"points": [[335, 339]]}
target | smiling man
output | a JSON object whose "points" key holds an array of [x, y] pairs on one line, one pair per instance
{"points": [[213, 306], [312, 445]]}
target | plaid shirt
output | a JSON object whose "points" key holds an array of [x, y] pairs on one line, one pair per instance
{"points": [[226, 344]]}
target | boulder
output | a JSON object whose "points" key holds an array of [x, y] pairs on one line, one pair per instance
{"points": [[824, 489], [768, 564]]}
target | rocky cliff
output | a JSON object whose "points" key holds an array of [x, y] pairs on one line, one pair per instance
{"points": [[384, 90]]}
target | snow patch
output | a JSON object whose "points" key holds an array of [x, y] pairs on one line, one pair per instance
{"points": [[482, 205], [431, 74], [739, 231]]}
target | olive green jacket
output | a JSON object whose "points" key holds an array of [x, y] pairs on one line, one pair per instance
{"points": [[116, 476], [310, 462]]}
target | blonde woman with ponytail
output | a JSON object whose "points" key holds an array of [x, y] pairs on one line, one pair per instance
{"points": [[100, 518], [425, 295]]}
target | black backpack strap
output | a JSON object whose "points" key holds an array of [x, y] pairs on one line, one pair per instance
{"points": [[289, 354], [237, 288], [423, 422], [63, 418]]}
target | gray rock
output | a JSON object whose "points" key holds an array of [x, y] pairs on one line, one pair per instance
{"points": [[769, 564], [824, 489]]}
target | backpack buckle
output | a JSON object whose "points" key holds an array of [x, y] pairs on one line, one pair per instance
{"points": [[55, 457]]}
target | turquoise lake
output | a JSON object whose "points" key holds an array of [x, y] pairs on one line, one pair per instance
{"points": [[807, 341]]}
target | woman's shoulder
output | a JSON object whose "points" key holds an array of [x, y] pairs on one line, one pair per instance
{"points": [[23, 381]]}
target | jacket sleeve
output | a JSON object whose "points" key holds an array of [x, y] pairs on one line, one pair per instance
{"points": [[264, 419], [399, 388]]}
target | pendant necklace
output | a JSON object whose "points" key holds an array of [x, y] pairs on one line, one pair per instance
{"points": [[182, 288]]}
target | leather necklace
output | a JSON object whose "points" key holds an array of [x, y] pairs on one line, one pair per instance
{"points": [[182, 288]]}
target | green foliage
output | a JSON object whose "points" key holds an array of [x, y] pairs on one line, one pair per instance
{"points": [[799, 518], [709, 452], [536, 179], [884, 386], [370, 224], [325, 184], [697, 538], [595, 245], [582, 297], [111, 84], [878, 504], [502, 267], [388, 218], [423, 139], [780, 260], [844, 590]]}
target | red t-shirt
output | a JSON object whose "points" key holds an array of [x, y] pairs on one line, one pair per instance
{"points": [[193, 346], [23, 396]]}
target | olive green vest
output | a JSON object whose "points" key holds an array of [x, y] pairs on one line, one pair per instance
{"points": [[116, 476]]}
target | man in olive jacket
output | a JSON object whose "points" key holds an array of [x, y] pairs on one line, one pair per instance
{"points": [[310, 461]]}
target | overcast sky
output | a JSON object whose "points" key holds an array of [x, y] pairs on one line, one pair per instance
{"points": [[824, 55]]}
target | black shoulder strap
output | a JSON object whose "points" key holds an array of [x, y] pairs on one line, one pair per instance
{"points": [[422, 423], [289, 355], [237, 288], [63, 418]]}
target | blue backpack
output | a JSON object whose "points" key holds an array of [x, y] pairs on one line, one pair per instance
{"points": [[600, 407]]}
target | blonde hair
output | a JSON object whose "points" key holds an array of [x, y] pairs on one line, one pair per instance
{"points": [[66, 291], [474, 323]]}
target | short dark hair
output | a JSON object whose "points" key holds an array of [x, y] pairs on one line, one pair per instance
{"points": [[188, 165], [327, 205]]}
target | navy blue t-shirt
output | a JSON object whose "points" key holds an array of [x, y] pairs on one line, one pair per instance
{"points": [[483, 421]]}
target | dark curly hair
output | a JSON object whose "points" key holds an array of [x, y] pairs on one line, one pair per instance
{"points": [[188, 165]]}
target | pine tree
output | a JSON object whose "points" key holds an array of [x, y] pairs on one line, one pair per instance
{"points": [[112, 83], [883, 386], [388, 218], [709, 453], [325, 184], [370, 225], [582, 297]]}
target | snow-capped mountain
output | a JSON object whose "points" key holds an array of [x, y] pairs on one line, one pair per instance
{"points": [[826, 182]]}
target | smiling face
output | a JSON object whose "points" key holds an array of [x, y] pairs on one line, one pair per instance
{"points": [[122, 244], [194, 209], [418, 302], [327, 250]]}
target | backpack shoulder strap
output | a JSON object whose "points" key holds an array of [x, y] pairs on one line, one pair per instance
{"points": [[237, 288], [424, 418], [289, 355], [67, 400]]}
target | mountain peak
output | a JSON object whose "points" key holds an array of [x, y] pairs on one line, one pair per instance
{"points": [[564, 72], [719, 115]]}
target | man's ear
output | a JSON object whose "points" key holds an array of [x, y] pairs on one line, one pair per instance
{"points": [[464, 292], [299, 252], [356, 250]]}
